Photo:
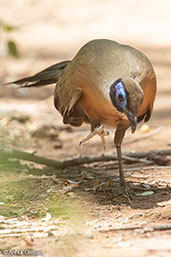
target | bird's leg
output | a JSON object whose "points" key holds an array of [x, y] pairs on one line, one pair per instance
{"points": [[119, 135], [99, 130], [121, 172]]}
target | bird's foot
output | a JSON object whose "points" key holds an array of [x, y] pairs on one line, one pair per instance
{"points": [[97, 131], [124, 190]]}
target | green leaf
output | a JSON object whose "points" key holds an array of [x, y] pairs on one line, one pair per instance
{"points": [[147, 193], [7, 27], [12, 49]]}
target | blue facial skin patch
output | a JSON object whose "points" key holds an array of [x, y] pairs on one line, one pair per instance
{"points": [[120, 90]]}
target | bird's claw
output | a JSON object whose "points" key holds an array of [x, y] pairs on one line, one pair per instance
{"points": [[97, 131], [126, 191]]}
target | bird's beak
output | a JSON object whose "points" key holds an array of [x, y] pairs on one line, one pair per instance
{"points": [[132, 120]]}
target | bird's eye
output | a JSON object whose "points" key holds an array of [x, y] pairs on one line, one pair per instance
{"points": [[120, 97]]}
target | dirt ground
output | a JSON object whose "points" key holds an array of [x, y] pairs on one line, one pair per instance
{"points": [[74, 211]]}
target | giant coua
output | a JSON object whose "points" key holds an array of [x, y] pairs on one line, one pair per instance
{"points": [[106, 83]]}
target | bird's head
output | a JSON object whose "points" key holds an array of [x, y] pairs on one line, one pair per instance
{"points": [[127, 96]]}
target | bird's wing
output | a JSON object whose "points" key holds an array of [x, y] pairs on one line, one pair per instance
{"points": [[69, 107]]}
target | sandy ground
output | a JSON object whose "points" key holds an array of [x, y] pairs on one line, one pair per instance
{"points": [[50, 31]]}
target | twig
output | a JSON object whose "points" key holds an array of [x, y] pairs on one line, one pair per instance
{"points": [[119, 229], [149, 153], [24, 230], [135, 160], [159, 228], [150, 229], [18, 154], [21, 155], [149, 168]]}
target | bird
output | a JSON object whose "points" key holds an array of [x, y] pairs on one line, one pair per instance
{"points": [[106, 84]]}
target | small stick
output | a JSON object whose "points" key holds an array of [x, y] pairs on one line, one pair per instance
{"points": [[18, 154], [149, 153], [21, 155], [24, 230], [149, 168], [119, 229], [150, 229], [162, 227], [135, 160]]}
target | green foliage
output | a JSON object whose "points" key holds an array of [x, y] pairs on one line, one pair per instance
{"points": [[7, 27], [11, 45], [59, 206], [21, 194], [12, 49], [16, 193]]}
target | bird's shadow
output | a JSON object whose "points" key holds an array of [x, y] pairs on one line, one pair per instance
{"points": [[97, 186]]}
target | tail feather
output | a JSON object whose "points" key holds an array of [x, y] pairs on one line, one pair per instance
{"points": [[48, 76]]}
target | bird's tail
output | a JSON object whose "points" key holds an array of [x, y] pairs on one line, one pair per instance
{"points": [[48, 76]]}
